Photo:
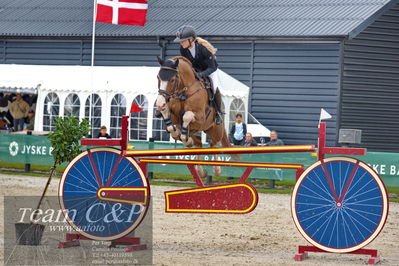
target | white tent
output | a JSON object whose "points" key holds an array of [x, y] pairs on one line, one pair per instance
{"points": [[106, 82]]}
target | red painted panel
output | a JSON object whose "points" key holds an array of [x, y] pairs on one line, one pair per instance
{"points": [[345, 151], [100, 142], [132, 195], [232, 198]]}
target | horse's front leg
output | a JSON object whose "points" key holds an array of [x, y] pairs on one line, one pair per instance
{"points": [[170, 127], [165, 111], [188, 117]]}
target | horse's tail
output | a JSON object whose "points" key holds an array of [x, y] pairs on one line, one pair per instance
{"points": [[226, 143]]}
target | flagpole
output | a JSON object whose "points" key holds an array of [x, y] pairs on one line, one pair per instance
{"points": [[93, 41]]}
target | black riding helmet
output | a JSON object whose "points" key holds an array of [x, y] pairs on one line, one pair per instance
{"points": [[185, 32]]}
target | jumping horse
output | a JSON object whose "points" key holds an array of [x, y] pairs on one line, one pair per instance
{"points": [[184, 105]]}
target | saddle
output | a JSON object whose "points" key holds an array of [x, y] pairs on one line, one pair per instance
{"points": [[208, 86], [211, 96]]}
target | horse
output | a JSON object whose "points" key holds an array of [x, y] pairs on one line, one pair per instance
{"points": [[183, 102]]}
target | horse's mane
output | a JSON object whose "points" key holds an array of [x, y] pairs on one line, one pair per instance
{"points": [[182, 58]]}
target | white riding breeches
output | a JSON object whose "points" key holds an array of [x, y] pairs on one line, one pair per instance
{"points": [[215, 81]]}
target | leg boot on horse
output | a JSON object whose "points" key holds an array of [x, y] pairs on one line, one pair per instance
{"points": [[171, 127], [185, 137]]}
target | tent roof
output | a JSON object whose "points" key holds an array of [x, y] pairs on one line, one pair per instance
{"points": [[135, 80]]}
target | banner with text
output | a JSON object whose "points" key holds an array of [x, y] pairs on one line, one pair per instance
{"points": [[37, 150]]}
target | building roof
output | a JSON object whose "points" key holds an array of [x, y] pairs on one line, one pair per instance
{"points": [[233, 18]]}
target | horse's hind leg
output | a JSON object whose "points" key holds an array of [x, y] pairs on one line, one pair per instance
{"points": [[216, 134], [197, 143]]}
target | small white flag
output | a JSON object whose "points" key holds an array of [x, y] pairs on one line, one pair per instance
{"points": [[324, 114]]}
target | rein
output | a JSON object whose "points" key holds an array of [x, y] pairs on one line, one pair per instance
{"points": [[169, 68], [180, 94]]}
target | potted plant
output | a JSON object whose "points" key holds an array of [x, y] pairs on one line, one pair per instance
{"points": [[65, 142]]}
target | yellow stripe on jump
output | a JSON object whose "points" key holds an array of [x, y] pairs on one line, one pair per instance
{"points": [[219, 163], [303, 148]]}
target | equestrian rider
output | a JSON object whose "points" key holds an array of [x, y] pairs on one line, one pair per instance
{"points": [[202, 56]]}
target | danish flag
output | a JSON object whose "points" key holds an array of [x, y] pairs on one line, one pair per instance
{"points": [[127, 12]]}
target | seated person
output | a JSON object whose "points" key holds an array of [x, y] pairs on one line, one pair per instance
{"points": [[238, 131], [103, 133], [30, 121], [249, 140], [4, 107], [274, 140]]}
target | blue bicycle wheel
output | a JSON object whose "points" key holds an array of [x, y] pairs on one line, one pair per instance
{"points": [[339, 204], [104, 195]]}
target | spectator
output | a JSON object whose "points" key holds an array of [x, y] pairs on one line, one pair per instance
{"points": [[33, 101], [274, 140], [103, 133], [249, 140], [26, 98], [238, 131], [11, 97], [30, 120], [4, 107], [19, 110]]}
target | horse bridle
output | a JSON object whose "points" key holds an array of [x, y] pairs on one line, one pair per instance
{"points": [[176, 93]]}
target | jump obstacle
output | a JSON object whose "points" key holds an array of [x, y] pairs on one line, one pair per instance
{"points": [[338, 204]]}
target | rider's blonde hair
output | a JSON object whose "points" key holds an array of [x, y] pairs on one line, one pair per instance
{"points": [[207, 45]]}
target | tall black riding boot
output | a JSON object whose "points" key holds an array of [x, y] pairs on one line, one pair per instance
{"points": [[218, 104]]}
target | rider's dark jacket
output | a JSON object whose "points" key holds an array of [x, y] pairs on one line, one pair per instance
{"points": [[204, 62]]}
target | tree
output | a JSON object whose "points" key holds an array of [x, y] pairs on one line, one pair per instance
{"points": [[65, 138], [65, 142]]}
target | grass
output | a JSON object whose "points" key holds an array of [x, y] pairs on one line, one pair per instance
{"points": [[33, 168], [23, 173], [394, 190], [174, 184]]}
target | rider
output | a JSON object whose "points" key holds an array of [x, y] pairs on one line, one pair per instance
{"points": [[202, 56]]}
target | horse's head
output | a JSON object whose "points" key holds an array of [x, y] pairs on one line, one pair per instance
{"points": [[168, 81]]}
